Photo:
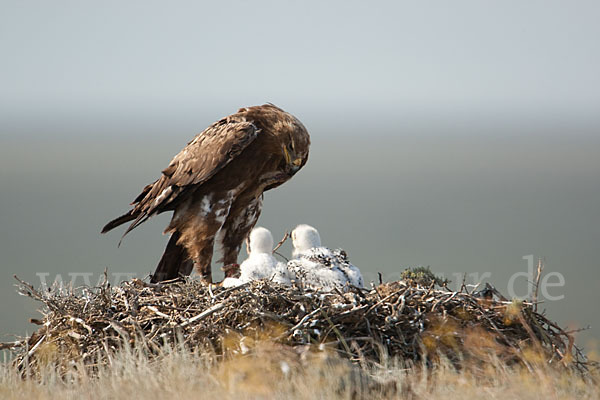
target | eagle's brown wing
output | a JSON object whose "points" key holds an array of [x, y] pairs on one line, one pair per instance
{"points": [[202, 158]]}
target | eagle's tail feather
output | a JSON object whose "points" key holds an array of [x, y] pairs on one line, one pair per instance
{"points": [[118, 221], [173, 263], [139, 219]]}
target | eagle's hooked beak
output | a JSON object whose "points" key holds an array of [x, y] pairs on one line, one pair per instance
{"points": [[296, 164]]}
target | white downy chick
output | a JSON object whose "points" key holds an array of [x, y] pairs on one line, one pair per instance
{"points": [[304, 238], [318, 267], [261, 264]]}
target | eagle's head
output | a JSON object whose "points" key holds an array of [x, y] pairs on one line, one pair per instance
{"points": [[260, 241], [295, 144], [305, 237], [292, 136], [286, 138]]}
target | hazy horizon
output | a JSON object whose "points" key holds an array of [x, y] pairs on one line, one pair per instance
{"points": [[458, 204]]}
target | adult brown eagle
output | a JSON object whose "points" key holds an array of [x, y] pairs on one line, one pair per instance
{"points": [[215, 186]]}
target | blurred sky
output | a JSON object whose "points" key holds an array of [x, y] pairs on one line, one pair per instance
{"points": [[462, 135], [118, 58]]}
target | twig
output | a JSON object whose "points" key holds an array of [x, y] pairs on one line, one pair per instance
{"points": [[203, 314], [540, 268], [303, 320], [285, 237]]}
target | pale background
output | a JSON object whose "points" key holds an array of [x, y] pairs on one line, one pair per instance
{"points": [[461, 135]]}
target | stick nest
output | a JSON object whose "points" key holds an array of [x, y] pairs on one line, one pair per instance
{"points": [[403, 319]]}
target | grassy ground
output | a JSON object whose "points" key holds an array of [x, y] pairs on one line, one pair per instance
{"points": [[272, 371], [252, 361]]}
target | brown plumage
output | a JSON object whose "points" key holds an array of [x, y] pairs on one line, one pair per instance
{"points": [[215, 186]]}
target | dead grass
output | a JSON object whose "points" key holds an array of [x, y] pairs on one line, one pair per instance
{"points": [[274, 372]]}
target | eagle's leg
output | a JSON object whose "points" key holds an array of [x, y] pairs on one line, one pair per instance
{"points": [[243, 214], [199, 247], [202, 259], [198, 240], [197, 222]]}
